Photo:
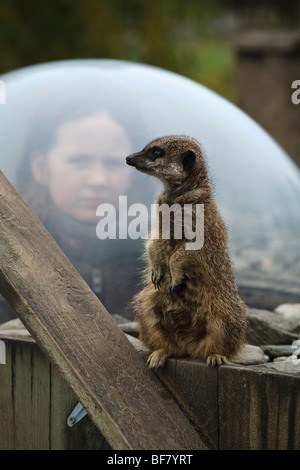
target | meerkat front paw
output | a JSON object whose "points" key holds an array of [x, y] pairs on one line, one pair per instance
{"points": [[216, 360], [157, 359], [156, 278]]}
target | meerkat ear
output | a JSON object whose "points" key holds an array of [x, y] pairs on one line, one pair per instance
{"points": [[187, 159]]}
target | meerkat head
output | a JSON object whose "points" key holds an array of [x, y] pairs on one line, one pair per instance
{"points": [[173, 159]]}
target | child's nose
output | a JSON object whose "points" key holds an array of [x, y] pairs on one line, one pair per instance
{"points": [[97, 179]]}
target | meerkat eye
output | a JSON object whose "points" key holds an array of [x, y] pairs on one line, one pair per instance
{"points": [[156, 152]]}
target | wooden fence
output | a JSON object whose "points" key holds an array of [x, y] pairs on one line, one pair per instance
{"points": [[233, 407]]}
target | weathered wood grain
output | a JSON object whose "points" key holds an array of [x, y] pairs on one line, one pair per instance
{"points": [[195, 387], [259, 409], [35, 403], [23, 412], [123, 397], [234, 407]]}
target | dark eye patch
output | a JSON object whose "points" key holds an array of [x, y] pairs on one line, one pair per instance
{"points": [[155, 152]]}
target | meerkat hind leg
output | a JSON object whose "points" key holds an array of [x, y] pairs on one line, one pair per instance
{"points": [[157, 359], [216, 360]]}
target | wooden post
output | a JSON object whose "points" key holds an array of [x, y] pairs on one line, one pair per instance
{"points": [[267, 66], [123, 397]]}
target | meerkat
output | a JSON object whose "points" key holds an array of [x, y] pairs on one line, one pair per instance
{"points": [[189, 305]]}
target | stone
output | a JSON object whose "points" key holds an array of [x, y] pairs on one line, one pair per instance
{"points": [[288, 367], [267, 327], [283, 358], [130, 328], [15, 324], [13, 327], [291, 314], [275, 350], [251, 355], [135, 343], [119, 319]]}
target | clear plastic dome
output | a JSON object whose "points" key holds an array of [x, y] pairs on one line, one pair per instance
{"points": [[66, 129]]}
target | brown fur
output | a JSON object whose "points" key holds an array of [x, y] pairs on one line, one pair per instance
{"points": [[190, 304]]}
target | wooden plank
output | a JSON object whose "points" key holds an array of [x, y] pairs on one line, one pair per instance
{"points": [[195, 387], [24, 403], [259, 409], [122, 396], [6, 405], [35, 403], [83, 436]]}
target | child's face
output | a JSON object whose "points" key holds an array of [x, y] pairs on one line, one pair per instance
{"points": [[84, 167]]}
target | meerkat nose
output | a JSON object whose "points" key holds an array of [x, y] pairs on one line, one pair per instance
{"points": [[129, 160]]}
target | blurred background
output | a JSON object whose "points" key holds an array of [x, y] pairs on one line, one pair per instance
{"points": [[248, 52], [207, 41]]}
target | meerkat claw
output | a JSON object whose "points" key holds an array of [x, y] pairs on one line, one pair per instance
{"points": [[156, 280], [216, 360], [156, 359]]}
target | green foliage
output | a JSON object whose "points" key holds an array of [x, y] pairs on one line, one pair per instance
{"points": [[172, 34]]}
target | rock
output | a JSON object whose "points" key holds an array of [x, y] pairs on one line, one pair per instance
{"points": [[267, 327], [274, 350], [251, 355], [119, 319], [13, 327], [288, 367], [130, 328], [291, 314], [15, 324], [283, 358], [135, 343]]}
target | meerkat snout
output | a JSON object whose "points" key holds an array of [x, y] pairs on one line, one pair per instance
{"points": [[169, 160]]}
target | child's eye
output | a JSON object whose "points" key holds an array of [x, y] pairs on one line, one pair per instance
{"points": [[79, 160]]}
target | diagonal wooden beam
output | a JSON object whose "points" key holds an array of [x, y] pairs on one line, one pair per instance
{"points": [[123, 397]]}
